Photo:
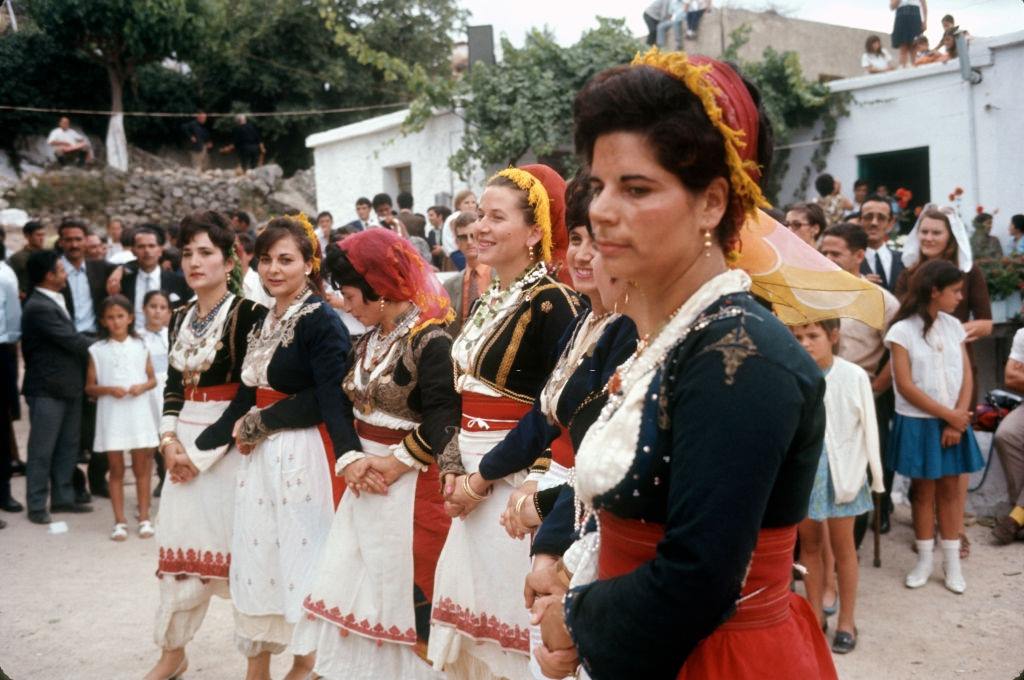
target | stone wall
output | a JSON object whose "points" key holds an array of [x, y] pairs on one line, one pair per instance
{"points": [[162, 196]]}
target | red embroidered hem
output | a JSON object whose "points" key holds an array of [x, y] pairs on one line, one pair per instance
{"points": [[205, 564], [364, 627], [482, 626]]}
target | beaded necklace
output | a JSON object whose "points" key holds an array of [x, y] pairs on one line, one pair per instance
{"points": [[200, 324]]}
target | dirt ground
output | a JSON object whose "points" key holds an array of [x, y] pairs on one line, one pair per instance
{"points": [[77, 606]]}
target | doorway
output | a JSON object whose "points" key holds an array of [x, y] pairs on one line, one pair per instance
{"points": [[907, 169]]}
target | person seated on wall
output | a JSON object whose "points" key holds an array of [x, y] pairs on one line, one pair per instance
{"points": [[69, 146]]}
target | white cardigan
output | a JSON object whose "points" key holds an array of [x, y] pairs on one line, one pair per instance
{"points": [[851, 431]]}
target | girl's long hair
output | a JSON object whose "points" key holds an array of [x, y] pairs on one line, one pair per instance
{"points": [[116, 301], [931, 275]]}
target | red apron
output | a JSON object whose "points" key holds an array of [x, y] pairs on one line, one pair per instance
{"points": [[265, 397], [773, 634]]}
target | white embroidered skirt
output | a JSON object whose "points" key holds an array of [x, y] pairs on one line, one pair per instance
{"points": [[283, 511], [195, 520], [478, 606]]}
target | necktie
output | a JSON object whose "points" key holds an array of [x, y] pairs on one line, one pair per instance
{"points": [[472, 294], [880, 270], [149, 282]]}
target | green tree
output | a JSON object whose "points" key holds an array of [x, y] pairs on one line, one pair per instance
{"points": [[121, 35], [524, 102]]}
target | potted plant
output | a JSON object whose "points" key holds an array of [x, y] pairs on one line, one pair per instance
{"points": [[1005, 278]]}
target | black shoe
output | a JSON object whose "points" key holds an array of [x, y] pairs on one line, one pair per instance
{"points": [[11, 506], [844, 642], [82, 497], [17, 468], [39, 517], [883, 524], [101, 491], [76, 508]]}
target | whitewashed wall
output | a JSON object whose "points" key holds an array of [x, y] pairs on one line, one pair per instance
{"points": [[929, 106], [359, 160]]}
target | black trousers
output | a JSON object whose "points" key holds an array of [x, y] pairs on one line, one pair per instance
{"points": [[652, 29], [8, 409]]}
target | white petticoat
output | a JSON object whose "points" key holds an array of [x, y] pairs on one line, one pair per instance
{"points": [[283, 510], [478, 606], [196, 519], [362, 595]]}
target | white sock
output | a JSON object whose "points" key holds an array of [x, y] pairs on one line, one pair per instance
{"points": [[922, 571], [951, 565]]}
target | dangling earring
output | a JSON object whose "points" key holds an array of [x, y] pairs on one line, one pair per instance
{"points": [[382, 303], [529, 249], [707, 243]]}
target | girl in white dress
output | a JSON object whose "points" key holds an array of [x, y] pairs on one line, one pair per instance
{"points": [[157, 308], [119, 376]]}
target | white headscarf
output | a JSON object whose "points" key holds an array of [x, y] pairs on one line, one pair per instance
{"points": [[912, 247]]}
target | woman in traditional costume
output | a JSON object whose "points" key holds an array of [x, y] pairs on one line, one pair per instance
{"points": [[502, 358], [701, 463], [284, 500], [368, 613], [207, 342]]}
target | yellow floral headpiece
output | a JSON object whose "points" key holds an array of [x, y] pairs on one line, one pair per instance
{"points": [[696, 79], [307, 226], [537, 197]]}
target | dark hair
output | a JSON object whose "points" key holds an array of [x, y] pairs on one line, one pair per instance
{"points": [[214, 225], [825, 184], [324, 214], [463, 219], [949, 18], [1018, 222], [363, 200], [341, 272], [241, 216], [172, 255], [952, 251], [870, 41], [523, 205], [283, 227], [648, 101], [860, 183], [154, 229], [876, 198], [951, 50], [124, 303], [39, 264], [827, 325], [443, 211], [926, 277], [381, 199], [981, 218], [577, 201], [72, 223], [340, 233], [853, 234], [247, 241], [31, 227], [127, 237], [153, 293], [814, 213], [404, 199]]}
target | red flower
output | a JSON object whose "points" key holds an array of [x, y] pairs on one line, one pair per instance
{"points": [[959, 191], [980, 209], [903, 197], [952, 197]]}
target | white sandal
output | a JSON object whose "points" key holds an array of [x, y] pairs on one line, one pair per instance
{"points": [[120, 532], [146, 529]]}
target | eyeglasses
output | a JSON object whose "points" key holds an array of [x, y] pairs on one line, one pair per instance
{"points": [[874, 217]]}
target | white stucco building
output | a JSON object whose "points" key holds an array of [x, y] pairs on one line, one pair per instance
{"points": [[930, 130], [373, 156]]}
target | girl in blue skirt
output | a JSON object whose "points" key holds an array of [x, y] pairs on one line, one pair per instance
{"points": [[931, 439]]}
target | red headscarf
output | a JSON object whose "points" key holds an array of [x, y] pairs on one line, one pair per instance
{"points": [[395, 271], [555, 186], [738, 108]]}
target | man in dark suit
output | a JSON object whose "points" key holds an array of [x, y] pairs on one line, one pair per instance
{"points": [[882, 265], [466, 288], [55, 355], [363, 221], [83, 297], [146, 274]]}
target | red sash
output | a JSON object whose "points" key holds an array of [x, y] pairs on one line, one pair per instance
{"points": [[265, 397], [562, 451], [225, 392], [481, 413], [774, 633]]}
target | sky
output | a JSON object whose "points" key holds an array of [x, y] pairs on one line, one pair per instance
{"points": [[568, 19]]}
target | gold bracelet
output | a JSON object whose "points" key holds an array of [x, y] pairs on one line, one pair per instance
{"points": [[469, 489], [519, 503]]}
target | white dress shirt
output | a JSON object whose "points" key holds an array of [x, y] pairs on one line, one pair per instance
{"points": [[143, 284], [56, 297], [886, 256], [10, 305], [81, 296]]}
